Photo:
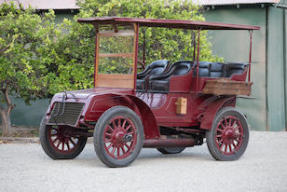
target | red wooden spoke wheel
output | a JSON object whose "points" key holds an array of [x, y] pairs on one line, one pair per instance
{"points": [[229, 135], [118, 136], [58, 143]]}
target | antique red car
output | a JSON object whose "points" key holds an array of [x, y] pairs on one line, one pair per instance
{"points": [[168, 106]]}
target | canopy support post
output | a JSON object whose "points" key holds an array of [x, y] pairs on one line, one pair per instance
{"points": [[250, 55], [136, 28], [96, 57], [193, 43], [197, 60]]}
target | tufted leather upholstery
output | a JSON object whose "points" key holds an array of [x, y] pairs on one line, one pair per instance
{"points": [[234, 68], [203, 69], [161, 82], [155, 67]]}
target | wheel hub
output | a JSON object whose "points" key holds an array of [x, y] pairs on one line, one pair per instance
{"points": [[118, 135], [229, 133]]}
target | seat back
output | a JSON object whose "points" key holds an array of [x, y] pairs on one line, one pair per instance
{"points": [[203, 69], [217, 70], [181, 67], [155, 67], [235, 68], [177, 68]]}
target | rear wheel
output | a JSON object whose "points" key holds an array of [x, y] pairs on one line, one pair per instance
{"points": [[118, 136], [171, 150], [228, 138], [58, 143]]}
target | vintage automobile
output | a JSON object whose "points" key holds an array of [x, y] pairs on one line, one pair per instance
{"points": [[168, 106]]}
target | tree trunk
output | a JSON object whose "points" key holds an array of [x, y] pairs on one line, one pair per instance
{"points": [[5, 113], [6, 123]]}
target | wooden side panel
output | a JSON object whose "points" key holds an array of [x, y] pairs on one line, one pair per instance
{"points": [[115, 80], [227, 87]]}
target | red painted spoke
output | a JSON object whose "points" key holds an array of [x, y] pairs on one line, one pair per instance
{"points": [[114, 124], [70, 139], [234, 145], [110, 128], [234, 123], [123, 149], [229, 146], [225, 121], [219, 136], [58, 145], [124, 123], [55, 140], [63, 145], [128, 127], [220, 140], [127, 146], [229, 124], [119, 122], [225, 150], [109, 146], [220, 130], [68, 145], [108, 134], [113, 151], [118, 151], [107, 140]]}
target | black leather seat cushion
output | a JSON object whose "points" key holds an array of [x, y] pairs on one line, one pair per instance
{"points": [[155, 67], [161, 82], [235, 68], [203, 69], [217, 70]]}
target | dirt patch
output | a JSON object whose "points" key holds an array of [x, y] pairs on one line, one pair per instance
{"points": [[22, 132]]}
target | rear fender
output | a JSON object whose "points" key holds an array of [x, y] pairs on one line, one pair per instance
{"points": [[211, 110]]}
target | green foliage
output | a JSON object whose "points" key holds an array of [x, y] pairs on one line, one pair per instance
{"points": [[23, 37]]}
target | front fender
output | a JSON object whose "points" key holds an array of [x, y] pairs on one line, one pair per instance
{"points": [[101, 103]]}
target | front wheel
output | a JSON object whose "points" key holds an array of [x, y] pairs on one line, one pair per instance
{"points": [[118, 136], [228, 138], [58, 143]]}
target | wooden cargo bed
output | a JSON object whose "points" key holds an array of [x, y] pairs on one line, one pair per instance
{"points": [[227, 87]]}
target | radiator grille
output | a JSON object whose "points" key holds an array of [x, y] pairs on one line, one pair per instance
{"points": [[66, 113]]}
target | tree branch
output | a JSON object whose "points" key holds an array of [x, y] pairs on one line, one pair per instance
{"points": [[2, 50], [10, 106]]}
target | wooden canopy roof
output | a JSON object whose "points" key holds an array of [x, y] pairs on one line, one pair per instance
{"points": [[167, 23]]}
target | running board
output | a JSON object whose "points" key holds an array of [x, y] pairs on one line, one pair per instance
{"points": [[169, 142]]}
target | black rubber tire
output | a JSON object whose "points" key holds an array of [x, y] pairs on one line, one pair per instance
{"points": [[99, 130], [210, 135], [51, 152], [171, 150]]}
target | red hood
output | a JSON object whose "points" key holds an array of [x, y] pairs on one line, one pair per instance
{"points": [[84, 94]]}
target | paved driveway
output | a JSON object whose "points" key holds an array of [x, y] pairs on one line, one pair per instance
{"points": [[25, 167]]}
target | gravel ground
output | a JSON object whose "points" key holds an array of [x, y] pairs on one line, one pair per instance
{"points": [[25, 167]]}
